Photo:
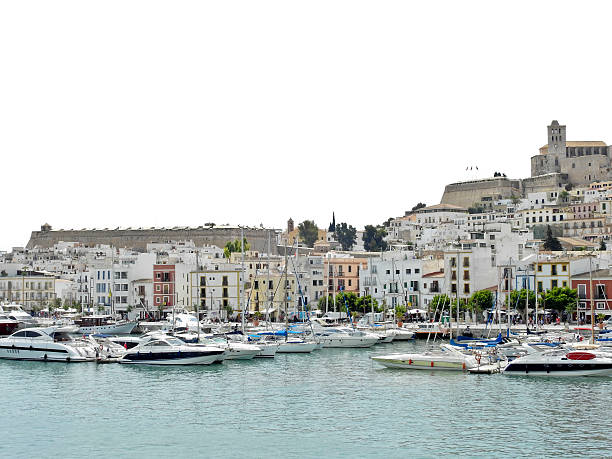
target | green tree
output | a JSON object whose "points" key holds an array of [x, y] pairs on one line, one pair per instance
{"points": [[346, 235], [563, 196], [235, 246], [309, 232], [374, 238], [518, 297], [400, 311], [551, 242], [438, 302], [480, 301], [559, 298], [419, 205]]}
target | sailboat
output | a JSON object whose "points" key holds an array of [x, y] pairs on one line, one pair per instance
{"points": [[292, 345]]}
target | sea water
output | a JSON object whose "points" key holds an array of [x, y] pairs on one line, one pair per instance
{"points": [[331, 403]]}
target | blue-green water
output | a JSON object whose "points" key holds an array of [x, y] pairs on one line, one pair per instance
{"points": [[331, 403]]}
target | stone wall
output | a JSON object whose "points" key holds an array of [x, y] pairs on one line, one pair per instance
{"points": [[547, 182], [466, 194], [137, 239]]}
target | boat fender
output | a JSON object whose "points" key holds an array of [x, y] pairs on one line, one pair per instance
{"points": [[410, 362], [463, 366], [432, 364], [478, 358], [45, 357], [68, 359]]}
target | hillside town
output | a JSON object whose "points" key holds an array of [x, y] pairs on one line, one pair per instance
{"points": [[546, 234]]}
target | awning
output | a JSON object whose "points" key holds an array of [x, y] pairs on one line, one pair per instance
{"points": [[417, 311], [268, 311]]}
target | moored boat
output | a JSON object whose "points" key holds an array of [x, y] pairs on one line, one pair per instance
{"points": [[46, 344], [561, 362], [447, 358], [104, 324], [167, 350]]}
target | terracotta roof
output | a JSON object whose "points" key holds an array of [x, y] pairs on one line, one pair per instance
{"points": [[578, 143], [434, 274]]}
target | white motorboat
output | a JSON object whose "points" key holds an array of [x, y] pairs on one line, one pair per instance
{"points": [[345, 337], [167, 350], [104, 324], [562, 362], [46, 344], [235, 350], [448, 358], [268, 349], [403, 334], [296, 346]]}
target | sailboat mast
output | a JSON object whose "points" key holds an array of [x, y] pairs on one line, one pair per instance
{"points": [[592, 304], [268, 283], [285, 290], [241, 293]]}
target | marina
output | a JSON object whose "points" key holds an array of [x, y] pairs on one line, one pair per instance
{"points": [[378, 412]]}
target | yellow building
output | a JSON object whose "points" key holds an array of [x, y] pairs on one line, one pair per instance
{"points": [[267, 294]]}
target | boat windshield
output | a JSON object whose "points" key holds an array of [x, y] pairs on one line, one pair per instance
{"points": [[174, 342]]}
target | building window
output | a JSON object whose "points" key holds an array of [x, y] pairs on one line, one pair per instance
{"points": [[564, 268], [466, 288], [553, 283], [539, 268], [554, 270], [453, 288], [540, 286]]}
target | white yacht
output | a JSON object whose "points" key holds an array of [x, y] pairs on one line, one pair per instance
{"points": [[167, 350], [46, 344], [562, 362], [448, 358]]}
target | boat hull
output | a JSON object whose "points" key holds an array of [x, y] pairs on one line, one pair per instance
{"points": [[171, 358], [41, 352], [299, 348], [421, 363], [575, 369], [348, 342]]}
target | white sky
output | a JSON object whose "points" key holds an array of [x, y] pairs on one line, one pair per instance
{"points": [[149, 113]]}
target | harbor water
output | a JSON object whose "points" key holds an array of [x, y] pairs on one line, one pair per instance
{"points": [[331, 403]]}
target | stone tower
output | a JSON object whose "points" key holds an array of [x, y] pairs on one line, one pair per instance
{"points": [[556, 139], [290, 226]]}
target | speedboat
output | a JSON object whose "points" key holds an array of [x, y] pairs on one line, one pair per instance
{"points": [[345, 337], [104, 324], [561, 362], [448, 358], [46, 344], [167, 350]]}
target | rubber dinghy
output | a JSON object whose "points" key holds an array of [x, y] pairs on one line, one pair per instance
{"points": [[448, 358]]}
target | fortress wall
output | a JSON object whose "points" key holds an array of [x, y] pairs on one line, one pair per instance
{"points": [[466, 194], [138, 239]]}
